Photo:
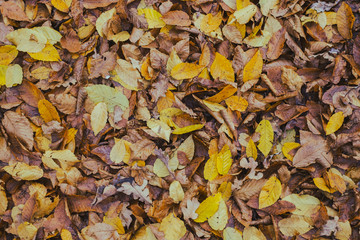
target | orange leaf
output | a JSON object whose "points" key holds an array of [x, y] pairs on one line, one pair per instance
{"points": [[47, 111]]}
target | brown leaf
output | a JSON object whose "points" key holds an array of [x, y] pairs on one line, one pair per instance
{"points": [[345, 20], [18, 128], [12, 10], [178, 18]]}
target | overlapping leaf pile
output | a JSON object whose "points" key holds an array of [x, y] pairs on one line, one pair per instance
{"points": [[198, 119]]}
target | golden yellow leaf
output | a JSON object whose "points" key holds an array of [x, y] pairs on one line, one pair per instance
{"points": [[119, 37], [144, 233], [322, 185], [270, 192], [287, 147], [160, 128], [120, 152], [335, 180], [210, 22], [345, 20], [61, 5], [330, 18], [23, 171], [11, 75], [226, 92], [252, 233], [236, 103], [225, 190], [187, 129], [176, 191], [160, 169], [221, 68], [7, 54], [173, 227], [266, 136], [48, 53], [219, 220], [65, 234], [224, 160], [244, 15], [242, 3], [99, 116], [153, 17], [208, 208], [335, 122], [215, 107], [251, 150], [26, 231], [27, 40], [230, 233], [165, 102], [47, 111], [210, 169], [41, 73], [186, 70], [253, 68], [115, 222], [3, 201], [172, 61], [103, 19], [295, 225]]}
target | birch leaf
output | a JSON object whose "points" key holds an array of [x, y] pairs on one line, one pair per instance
{"points": [[219, 220], [266, 136], [251, 150], [224, 160], [335, 123], [208, 208]]}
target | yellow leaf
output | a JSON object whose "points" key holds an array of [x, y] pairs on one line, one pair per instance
{"points": [[165, 102], [144, 233], [253, 68], [26, 231], [251, 150], [330, 18], [173, 227], [226, 92], [120, 152], [176, 191], [270, 192], [65, 234], [336, 181], [99, 117], [244, 15], [236, 103], [210, 169], [306, 205], [252, 233], [345, 20], [287, 147], [41, 73], [335, 122], [186, 70], [322, 185], [7, 54], [120, 37], [208, 208], [210, 23], [172, 61], [266, 136], [13, 75], [242, 3], [219, 220], [3, 201], [293, 226], [225, 190], [48, 53], [224, 160], [230, 233], [221, 68], [188, 129], [103, 19], [61, 5], [160, 168], [47, 111], [115, 222], [343, 230], [66, 158], [3, 69], [49, 33], [127, 75], [215, 107], [23, 171], [160, 128], [27, 40], [153, 17]]}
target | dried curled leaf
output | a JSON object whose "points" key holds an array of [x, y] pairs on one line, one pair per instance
{"points": [[22, 171]]}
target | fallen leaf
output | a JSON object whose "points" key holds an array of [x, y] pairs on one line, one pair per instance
{"points": [[99, 117], [61, 5], [47, 111], [208, 208], [186, 71], [22, 171], [253, 68], [345, 20], [153, 17], [266, 136], [219, 220], [244, 15], [251, 150], [252, 233], [176, 191], [221, 68], [120, 152], [230, 233], [287, 147], [335, 122], [178, 18], [173, 227], [160, 128], [224, 160], [7, 54], [111, 96], [236, 103], [270, 192], [293, 226]]}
